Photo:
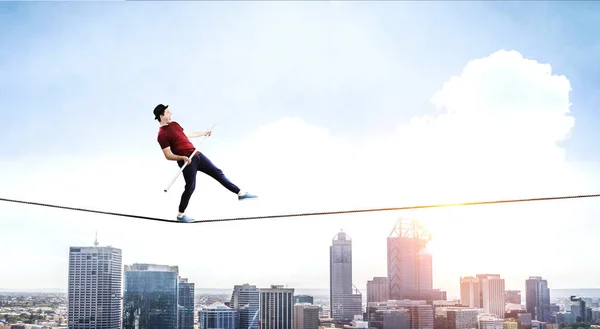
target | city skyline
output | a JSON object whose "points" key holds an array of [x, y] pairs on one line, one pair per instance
{"points": [[319, 106], [483, 287], [157, 296], [362, 286]]}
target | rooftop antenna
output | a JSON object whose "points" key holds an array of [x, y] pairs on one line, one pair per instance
{"points": [[96, 241]]}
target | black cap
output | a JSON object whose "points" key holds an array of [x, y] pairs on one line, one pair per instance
{"points": [[158, 110]]}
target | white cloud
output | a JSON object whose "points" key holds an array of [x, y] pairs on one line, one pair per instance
{"points": [[499, 125], [495, 137]]}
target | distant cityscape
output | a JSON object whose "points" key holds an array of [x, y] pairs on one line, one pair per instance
{"points": [[104, 293]]}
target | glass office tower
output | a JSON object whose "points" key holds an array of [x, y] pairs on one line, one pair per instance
{"points": [[150, 296]]}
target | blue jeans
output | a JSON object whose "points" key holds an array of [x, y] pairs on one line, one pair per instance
{"points": [[203, 164]]}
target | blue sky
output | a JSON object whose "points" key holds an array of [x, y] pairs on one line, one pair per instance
{"points": [[116, 51], [309, 98]]}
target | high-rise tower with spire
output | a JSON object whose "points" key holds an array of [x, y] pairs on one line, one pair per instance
{"points": [[94, 292]]}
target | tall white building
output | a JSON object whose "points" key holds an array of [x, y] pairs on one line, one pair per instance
{"points": [[276, 307], [94, 292], [470, 294], [345, 304], [492, 294]]}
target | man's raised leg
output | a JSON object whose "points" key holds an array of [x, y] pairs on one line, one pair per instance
{"points": [[206, 166]]}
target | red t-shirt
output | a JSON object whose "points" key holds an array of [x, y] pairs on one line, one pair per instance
{"points": [[172, 135]]}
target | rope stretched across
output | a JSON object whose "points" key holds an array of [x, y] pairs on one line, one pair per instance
{"points": [[338, 212]]}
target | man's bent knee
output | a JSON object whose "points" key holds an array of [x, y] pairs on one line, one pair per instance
{"points": [[189, 189]]}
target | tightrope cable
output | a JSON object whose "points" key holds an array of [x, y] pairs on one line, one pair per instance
{"points": [[306, 214]]}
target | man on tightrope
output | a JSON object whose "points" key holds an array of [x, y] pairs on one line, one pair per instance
{"points": [[176, 146]]}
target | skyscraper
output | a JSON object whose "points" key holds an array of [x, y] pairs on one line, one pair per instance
{"points": [[470, 292], [186, 304], [276, 307], [410, 271], [94, 292], [345, 304], [245, 299], [306, 316], [378, 290], [537, 299], [150, 296], [492, 294]]}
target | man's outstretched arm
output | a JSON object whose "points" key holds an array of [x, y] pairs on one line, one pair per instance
{"points": [[199, 134]]}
